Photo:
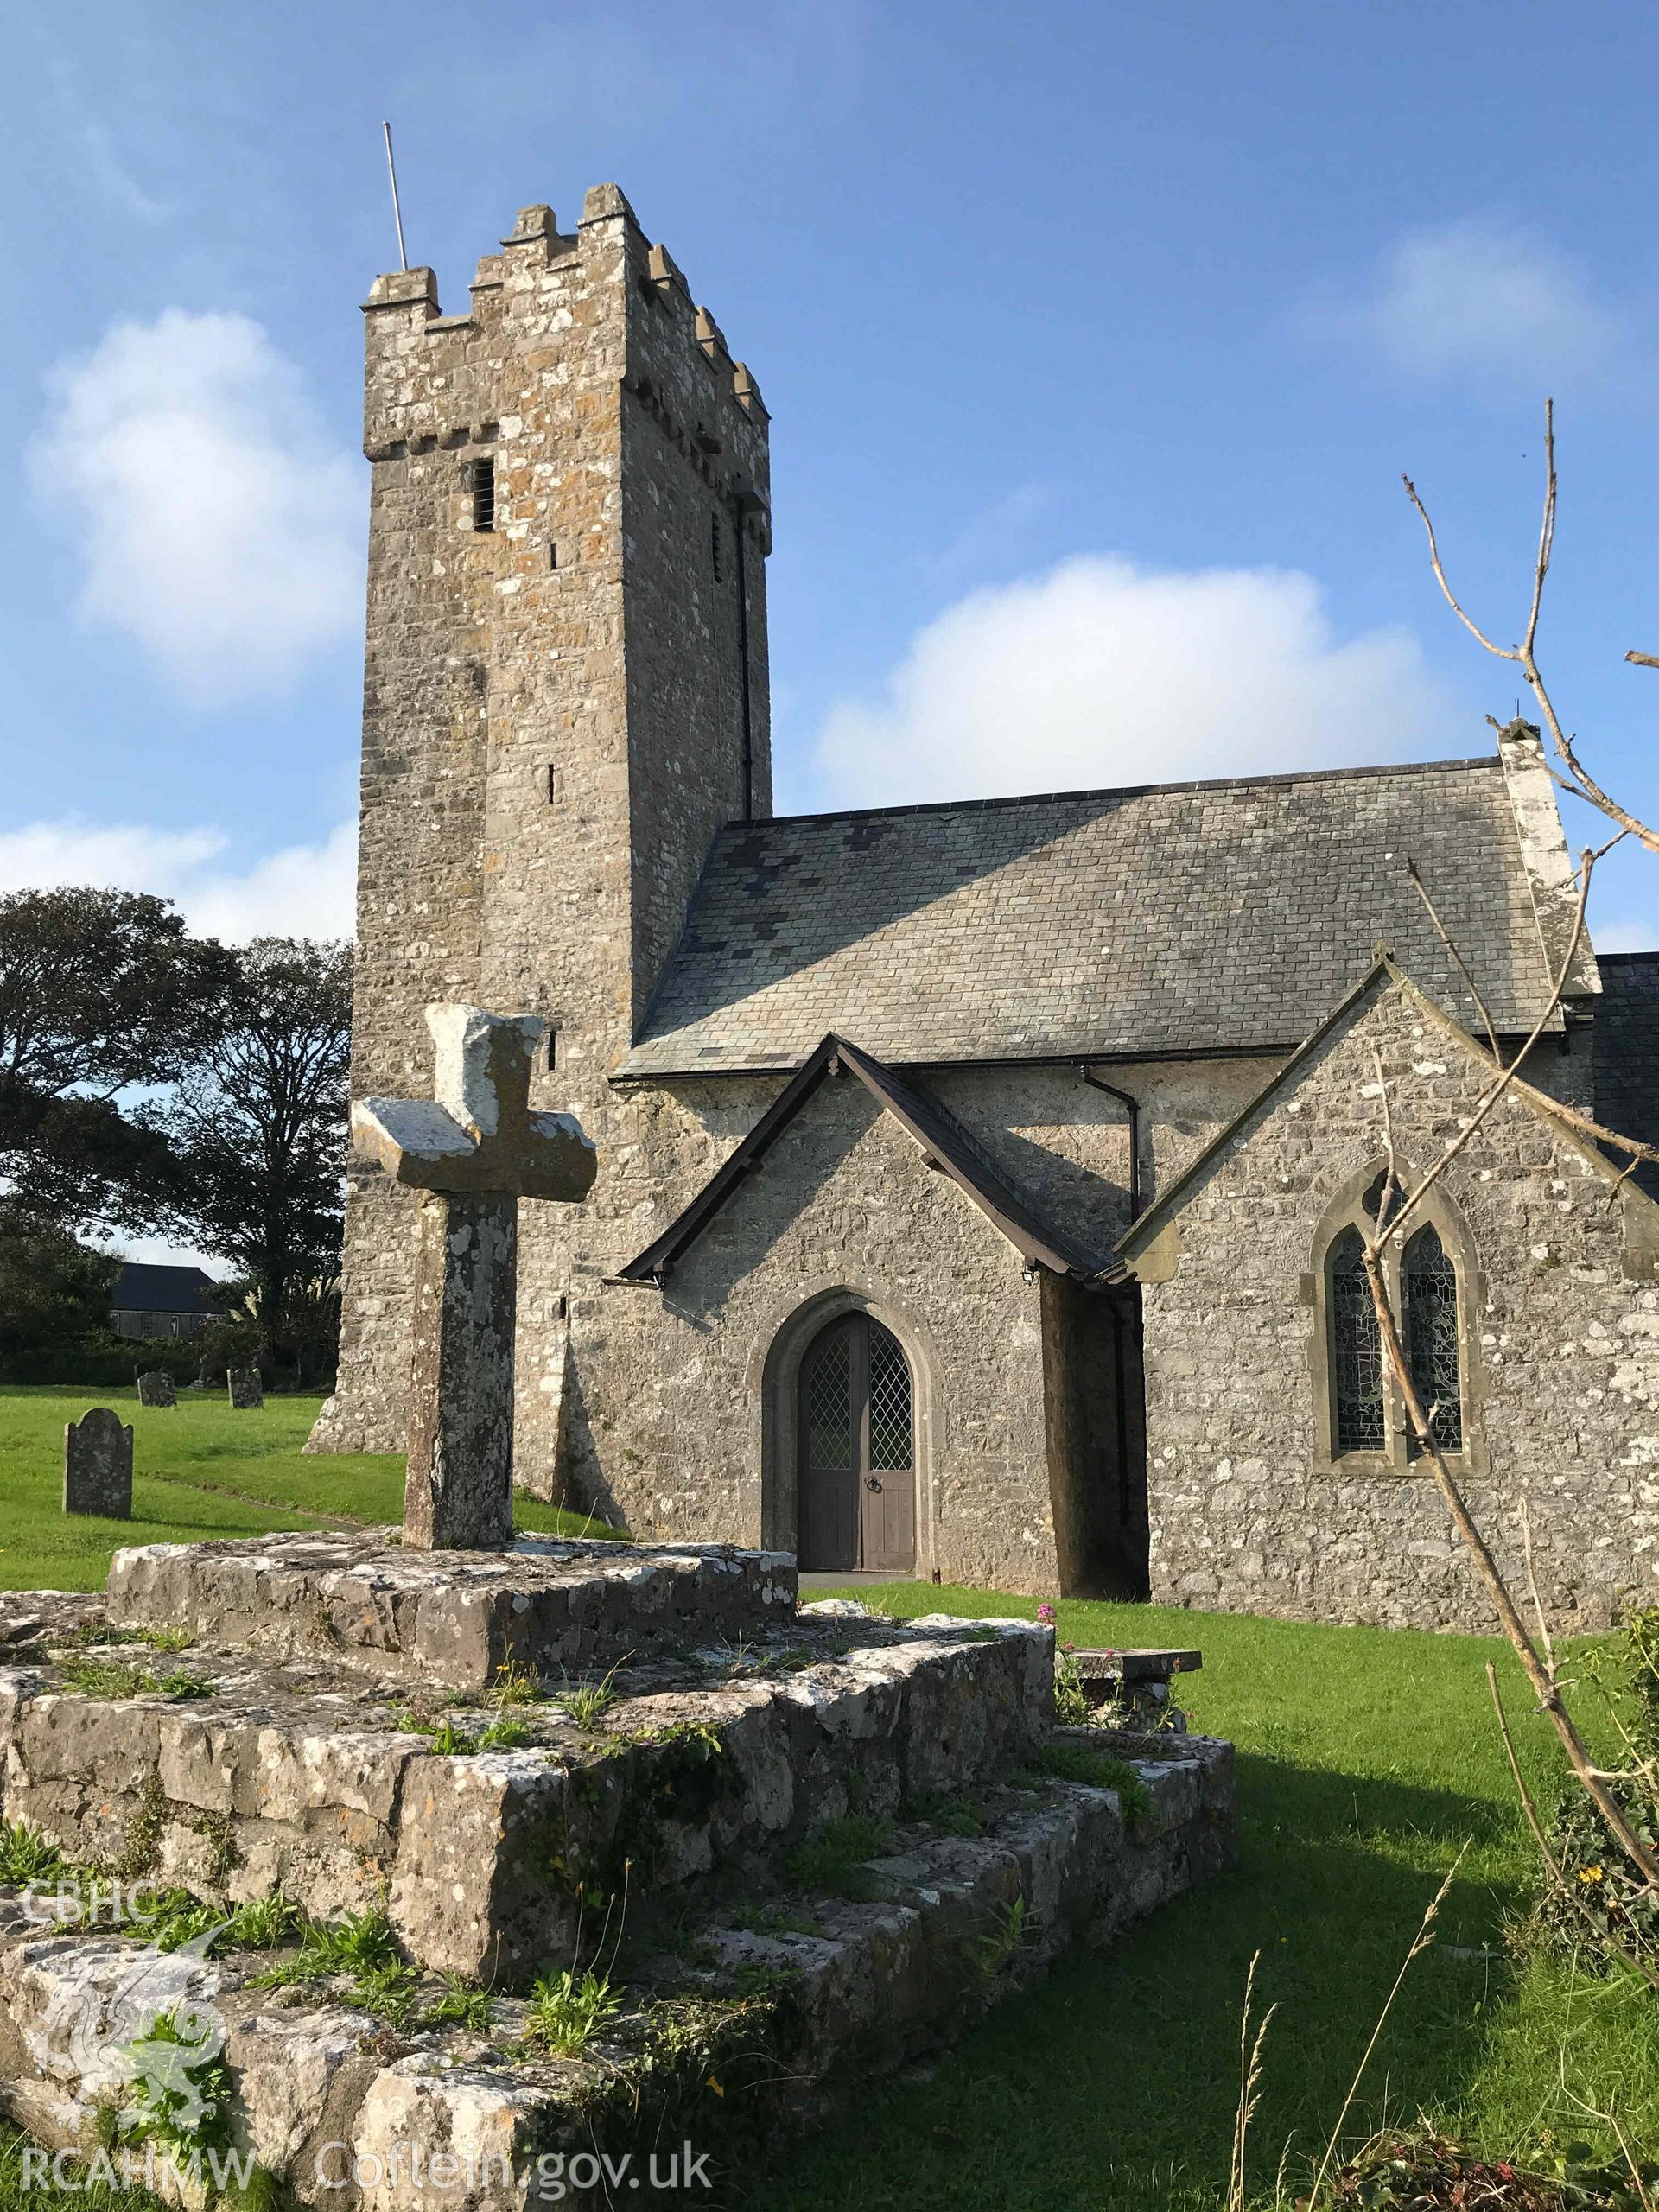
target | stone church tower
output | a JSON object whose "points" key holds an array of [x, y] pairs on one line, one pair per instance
{"points": [[565, 698]]}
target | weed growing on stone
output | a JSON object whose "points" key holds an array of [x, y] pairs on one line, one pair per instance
{"points": [[1008, 1935], [261, 1924], [588, 1702], [1072, 1708], [446, 1739], [26, 1855], [833, 1857], [166, 1639], [462, 2005], [762, 1920], [175, 2100], [567, 2010], [950, 1815], [363, 1950], [1098, 1770], [515, 1684], [91, 1676]]}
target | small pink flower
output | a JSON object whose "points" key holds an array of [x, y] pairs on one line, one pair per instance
{"points": [[1046, 1614]]}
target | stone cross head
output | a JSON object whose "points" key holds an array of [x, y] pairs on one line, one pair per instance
{"points": [[476, 1136]]}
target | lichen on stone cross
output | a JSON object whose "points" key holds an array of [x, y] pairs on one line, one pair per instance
{"points": [[472, 1151]]}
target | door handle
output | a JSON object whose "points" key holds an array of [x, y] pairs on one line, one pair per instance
{"points": [[870, 1483]]}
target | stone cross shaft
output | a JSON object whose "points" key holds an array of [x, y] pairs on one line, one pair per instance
{"points": [[472, 1151]]}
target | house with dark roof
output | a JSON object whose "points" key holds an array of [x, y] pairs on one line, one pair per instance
{"points": [[978, 1182], [154, 1299]]}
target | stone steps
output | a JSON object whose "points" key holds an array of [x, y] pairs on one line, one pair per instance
{"points": [[448, 1618], [760, 2029], [298, 1778]]}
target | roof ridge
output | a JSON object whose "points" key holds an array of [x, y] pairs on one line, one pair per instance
{"points": [[1118, 791]]}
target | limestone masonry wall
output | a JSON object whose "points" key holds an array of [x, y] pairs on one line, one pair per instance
{"points": [[1561, 1357], [559, 712]]}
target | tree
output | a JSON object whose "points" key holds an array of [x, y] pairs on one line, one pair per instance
{"points": [[54, 1293], [102, 993], [259, 1124]]}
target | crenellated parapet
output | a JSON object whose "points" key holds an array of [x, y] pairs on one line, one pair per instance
{"points": [[580, 310]]}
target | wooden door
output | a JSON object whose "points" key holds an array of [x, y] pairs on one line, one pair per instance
{"points": [[857, 1488]]}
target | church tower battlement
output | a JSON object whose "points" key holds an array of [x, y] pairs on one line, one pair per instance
{"points": [[565, 692]]}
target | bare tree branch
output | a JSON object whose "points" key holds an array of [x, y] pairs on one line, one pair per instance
{"points": [[1580, 781], [1503, 653], [1546, 534], [1506, 1075], [1445, 939]]}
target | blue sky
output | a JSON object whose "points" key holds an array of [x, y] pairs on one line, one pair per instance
{"points": [[1096, 341]]}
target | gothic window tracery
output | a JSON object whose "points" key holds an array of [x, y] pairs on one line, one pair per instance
{"points": [[1429, 1295], [1356, 1350]]}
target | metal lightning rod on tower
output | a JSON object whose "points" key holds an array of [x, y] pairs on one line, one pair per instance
{"points": [[397, 212]]}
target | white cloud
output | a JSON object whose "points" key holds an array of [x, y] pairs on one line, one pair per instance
{"points": [[1099, 673], [1482, 300], [216, 522], [302, 890]]}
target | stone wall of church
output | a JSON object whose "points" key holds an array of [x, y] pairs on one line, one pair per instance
{"points": [[1561, 1363], [664, 1425], [671, 1389]]}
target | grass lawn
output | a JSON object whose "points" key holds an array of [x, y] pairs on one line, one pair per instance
{"points": [[1368, 1760], [198, 1471]]}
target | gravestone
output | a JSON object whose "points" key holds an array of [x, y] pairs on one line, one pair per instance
{"points": [[246, 1391], [97, 1465], [472, 1152], [156, 1389]]}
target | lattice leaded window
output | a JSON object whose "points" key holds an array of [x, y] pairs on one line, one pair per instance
{"points": [[1428, 1282], [829, 1403], [1356, 1350], [890, 1440]]}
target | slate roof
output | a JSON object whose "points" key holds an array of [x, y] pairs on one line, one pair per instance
{"points": [[1383, 971], [1169, 919], [1627, 1053], [946, 1145], [148, 1286]]}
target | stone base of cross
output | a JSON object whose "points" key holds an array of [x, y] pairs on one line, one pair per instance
{"points": [[472, 1150]]}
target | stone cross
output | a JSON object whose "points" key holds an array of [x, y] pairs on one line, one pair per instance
{"points": [[98, 1465], [472, 1151], [156, 1389]]}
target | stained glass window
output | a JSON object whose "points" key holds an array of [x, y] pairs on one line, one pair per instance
{"points": [[1429, 1283], [829, 1403], [1356, 1350], [890, 1444]]}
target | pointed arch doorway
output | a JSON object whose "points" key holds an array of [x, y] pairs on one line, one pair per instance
{"points": [[857, 1450]]}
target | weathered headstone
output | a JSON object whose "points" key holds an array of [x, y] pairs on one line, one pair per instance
{"points": [[246, 1391], [98, 1465], [156, 1389], [472, 1152]]}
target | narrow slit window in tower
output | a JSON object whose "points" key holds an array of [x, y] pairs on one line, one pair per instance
{"points": [[480, 486], [713, 545]]}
